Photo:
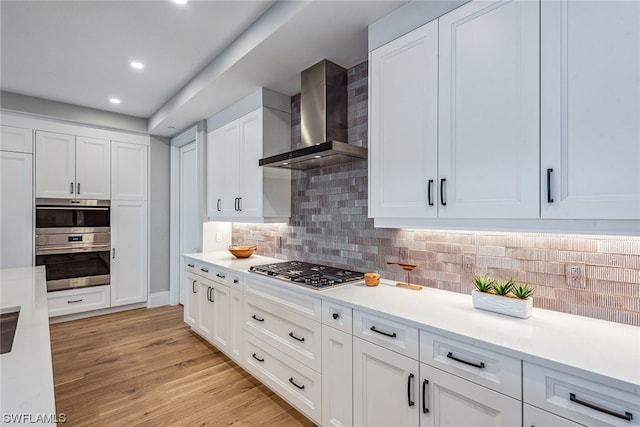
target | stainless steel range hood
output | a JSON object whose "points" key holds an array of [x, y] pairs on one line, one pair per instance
{"points": [[323, 113]]}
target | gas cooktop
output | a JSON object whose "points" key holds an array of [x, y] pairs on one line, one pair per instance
{"points": [[311, 275]]}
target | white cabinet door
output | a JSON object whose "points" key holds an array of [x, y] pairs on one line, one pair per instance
{"points": [[450, 401], [129, 257], [55, 165], [93, 168], [215, 172], [129, 171], [16, 200], [221, 298], [236, 321], [489, 110], [191, 300], [222, 166], [403, 120], [337, 378], [384, 387], [205, 318], [250, 179], [590, 79], [16, 139]]}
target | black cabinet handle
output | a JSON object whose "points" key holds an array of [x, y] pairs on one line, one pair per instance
{"points": [[193, 287], [237, 204], [301, 387], [78, 188], [222, 276], [71, 191], [425, 409], [74, 301], [259, 319], [235, 280], [392, 335], [295, 337], [212, 295], [429, 192], [466, 362], [218, 203], [190, 265], [627, 416], [257, 358], [442, 202], [409, 381], [549, 198], [240, 204], [204, 270], [335, 316]]}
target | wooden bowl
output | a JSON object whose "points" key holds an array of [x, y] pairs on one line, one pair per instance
{"points": [[371, 279], [242, 251]]}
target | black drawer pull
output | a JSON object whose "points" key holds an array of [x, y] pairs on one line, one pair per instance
{"points": [[335, 316], [442, 202], [392, 335], [259, 319], [425, 383], [204, 270], [301, 387], [295, 337], [235, 281], [74, 300], [190, 265], [409, 381], [627, 416], [549, 198], [193, 287], [257, 358], [429, 192], [466, 362], [222, 276]]}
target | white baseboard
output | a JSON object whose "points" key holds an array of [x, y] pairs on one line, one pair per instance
{"points": [[93, 313], [158, 299]]}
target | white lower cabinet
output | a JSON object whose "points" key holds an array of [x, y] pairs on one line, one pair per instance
{"points": [[294, 381], [236, 319], [448, 400], [191, 299], [337, 379], [220, 297], [385, 386], [78, 300], [129, 252], [204, 319], [534, 417]]}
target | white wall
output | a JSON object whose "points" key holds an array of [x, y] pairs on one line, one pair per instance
{"points": [[159, 178]]}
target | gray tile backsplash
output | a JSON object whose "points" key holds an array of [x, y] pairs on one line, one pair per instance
{"points": [[329, 225]]}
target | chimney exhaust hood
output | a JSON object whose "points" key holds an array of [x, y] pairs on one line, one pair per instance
{"points": [[323, 114]]}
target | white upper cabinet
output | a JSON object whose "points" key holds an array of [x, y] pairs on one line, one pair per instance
{"points": [[16, 139], [489, 111], [129, 171], [590, 75], [69, 167], [403, 120], [238, 189]]}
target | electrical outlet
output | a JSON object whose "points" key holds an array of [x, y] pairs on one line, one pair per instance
{"points": [[404, 254], [575, 275], [468, 262], [218, 236]]}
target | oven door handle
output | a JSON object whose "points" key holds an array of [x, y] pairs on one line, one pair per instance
{"points": [[71, 249], [71, 208]]}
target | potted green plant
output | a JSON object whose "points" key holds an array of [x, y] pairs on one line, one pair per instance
{"points": [[505, 297]]}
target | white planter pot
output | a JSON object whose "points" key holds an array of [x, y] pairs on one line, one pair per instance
{"points": [[504, 305]]}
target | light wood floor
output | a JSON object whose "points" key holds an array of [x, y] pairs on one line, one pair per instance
{"points": [[145, 367]]}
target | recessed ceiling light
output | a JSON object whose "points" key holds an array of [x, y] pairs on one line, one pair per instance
{"points": [[285, 164], [180, 1], [316, 157], [137, 65], [114, 100]]}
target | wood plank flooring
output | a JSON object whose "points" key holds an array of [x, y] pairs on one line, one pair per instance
{"points": [[145, 367]]}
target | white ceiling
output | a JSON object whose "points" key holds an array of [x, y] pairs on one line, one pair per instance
{"points": [[79, 52]]}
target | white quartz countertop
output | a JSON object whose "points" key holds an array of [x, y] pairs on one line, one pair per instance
{"points": [[26, 373], [599, 347]]}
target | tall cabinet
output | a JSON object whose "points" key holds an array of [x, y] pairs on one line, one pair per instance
{"points": [[129, 224], [16, 197], [590, 109]]}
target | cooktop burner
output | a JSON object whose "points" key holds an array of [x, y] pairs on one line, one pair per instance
{"points": [[311, 275]]}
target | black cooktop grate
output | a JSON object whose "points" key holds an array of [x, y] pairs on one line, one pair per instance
{"points": [[304, 273]]}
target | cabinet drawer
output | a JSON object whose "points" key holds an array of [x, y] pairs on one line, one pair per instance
{"points": [[485, 367], [295, 302], [78, 300], [196, 267], [386, 332], [534, 417], [580, 398], [296, 383], [295, 335], [337, 316]]}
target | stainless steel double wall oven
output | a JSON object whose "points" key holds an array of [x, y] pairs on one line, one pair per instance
{"points": [[73, 242]]}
